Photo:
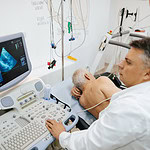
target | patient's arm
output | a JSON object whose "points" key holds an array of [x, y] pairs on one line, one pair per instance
{"points": [[76, 92]]}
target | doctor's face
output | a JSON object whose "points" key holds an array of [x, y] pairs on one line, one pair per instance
{"points": [[131, 69]]}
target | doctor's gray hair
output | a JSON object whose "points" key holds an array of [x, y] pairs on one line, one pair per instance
{"points": [[144, 45], [78, 78]]}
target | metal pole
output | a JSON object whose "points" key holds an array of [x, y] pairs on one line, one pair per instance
{"points": [[62, 28]]}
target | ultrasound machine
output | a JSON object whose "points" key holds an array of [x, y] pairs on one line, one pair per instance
{"points": [[24, 106]]}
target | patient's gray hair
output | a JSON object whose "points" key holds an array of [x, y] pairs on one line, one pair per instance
{"points": [[79, 79]]}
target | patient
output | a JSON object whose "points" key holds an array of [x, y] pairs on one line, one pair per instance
{"points": [[91, 91]]}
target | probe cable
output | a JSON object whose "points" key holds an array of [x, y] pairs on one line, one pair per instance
{"points": [[71, 18], [51, 25], [84, 29], [94, 105]]}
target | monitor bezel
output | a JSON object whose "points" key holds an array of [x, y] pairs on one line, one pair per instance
{"points": [[24, 75]]}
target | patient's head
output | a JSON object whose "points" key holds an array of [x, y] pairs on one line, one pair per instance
{"points": [[81, 77]]}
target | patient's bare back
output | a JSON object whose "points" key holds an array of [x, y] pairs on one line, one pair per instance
{"points": [[95, 92]]}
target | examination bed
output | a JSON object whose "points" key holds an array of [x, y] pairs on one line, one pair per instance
{"points": [[62, 92]]}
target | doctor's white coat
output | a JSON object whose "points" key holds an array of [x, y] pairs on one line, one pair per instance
{"points": [[123, 125]]}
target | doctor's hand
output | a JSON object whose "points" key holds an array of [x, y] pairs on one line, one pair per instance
{"points": [[56, 128], [76, 92]]}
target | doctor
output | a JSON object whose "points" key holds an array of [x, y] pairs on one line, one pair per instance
{"points": [[125, 123]]}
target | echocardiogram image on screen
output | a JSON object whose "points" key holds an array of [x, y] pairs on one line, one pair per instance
{"points": [[13, 61], [7, 62]]}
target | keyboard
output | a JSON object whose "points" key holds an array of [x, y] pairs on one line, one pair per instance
{"points": [[22, 126], [24, 131], [25, 137]]}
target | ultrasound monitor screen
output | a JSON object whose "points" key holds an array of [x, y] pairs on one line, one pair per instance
{"points": [[14, 61]]}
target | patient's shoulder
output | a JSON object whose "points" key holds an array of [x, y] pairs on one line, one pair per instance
{"points": [[104, 79], [105, 82]]}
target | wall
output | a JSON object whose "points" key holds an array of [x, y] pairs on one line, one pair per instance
{"points": [[33, 19], [113, 54], [143, 18], [98, 26]]}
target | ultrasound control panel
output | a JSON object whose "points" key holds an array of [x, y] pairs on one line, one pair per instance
{"points": [[23, 114]]}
